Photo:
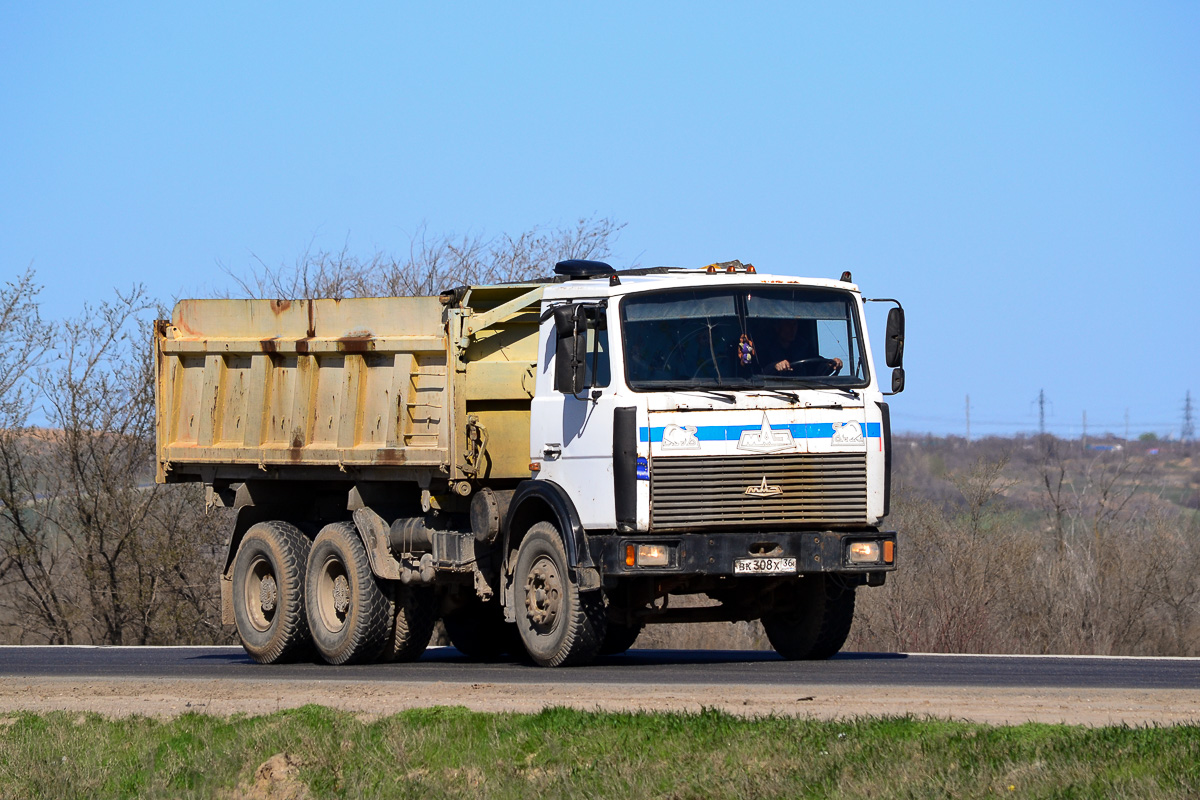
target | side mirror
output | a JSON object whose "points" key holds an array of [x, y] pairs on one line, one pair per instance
{"points": [[897, 380], [893, 351], [570, 326]]}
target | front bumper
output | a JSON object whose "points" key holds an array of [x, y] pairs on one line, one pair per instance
{"points": [[716, 553]]}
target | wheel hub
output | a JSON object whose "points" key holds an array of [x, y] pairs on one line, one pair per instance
{"points": [[268, 594], [341, 594], [260, 593], [543, 595]]}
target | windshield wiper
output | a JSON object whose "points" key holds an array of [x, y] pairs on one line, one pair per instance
{"points": [[728, 398], [830, 386], [761, 387], [673, 386], [786, 395]]}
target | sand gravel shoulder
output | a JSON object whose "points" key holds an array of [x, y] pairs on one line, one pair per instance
{"points": [[167, 698]]}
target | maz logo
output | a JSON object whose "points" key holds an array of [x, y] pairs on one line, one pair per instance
{"points": [[766, 439], [763, 490]]}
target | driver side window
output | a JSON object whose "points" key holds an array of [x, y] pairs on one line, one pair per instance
{"points": [[597, 372]]}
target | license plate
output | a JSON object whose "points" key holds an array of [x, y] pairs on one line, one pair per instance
{"points": [[763, 566]]}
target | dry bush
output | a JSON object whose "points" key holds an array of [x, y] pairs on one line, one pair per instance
{"points": [[1104, 566]]}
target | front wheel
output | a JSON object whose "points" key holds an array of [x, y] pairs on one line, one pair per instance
{"points": [[349, 614], [815, 620], [559, 625]]}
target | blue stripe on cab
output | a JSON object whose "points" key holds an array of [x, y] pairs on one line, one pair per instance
{"points": [[733, 433]]}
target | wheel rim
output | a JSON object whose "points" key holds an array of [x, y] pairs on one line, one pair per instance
{"points": [[333, 595], [543, 595], [261, 594]]}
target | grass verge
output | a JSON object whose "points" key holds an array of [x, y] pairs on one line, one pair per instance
{"points": [[452, 752]]}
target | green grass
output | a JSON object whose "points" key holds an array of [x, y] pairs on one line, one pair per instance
{"points": [[451, 752]]}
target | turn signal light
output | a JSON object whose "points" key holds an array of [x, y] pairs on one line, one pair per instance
{"points": [[889, 551], [630, 552]]}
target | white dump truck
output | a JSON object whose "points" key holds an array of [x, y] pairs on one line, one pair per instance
{"points": [[541, 465]]}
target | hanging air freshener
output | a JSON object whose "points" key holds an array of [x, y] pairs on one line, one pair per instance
{"points": [[745, 349]]}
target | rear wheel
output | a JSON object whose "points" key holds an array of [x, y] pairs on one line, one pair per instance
{"points": [[478, 631], [816, 622], [268, 592], [349, 614], [415, 615], [559, 625]]}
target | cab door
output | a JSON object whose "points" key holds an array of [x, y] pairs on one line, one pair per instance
{"points": [[571, 433]]}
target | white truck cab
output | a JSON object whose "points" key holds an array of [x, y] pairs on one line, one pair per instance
{"points": [[717, 432]]}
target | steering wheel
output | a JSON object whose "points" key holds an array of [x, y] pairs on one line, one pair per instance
{"points": [[831, 368]]}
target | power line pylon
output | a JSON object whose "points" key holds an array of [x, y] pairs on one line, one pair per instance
{"points": [[1189, 426]]}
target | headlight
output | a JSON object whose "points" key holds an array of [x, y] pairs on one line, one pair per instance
{"points": [[647, 555], [652, 555], [864, 553]]}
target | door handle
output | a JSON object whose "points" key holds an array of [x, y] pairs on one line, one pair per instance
{"points": [[552, 450]]}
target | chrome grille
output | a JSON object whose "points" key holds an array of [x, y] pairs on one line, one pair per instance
{"points": [[710, 491]]}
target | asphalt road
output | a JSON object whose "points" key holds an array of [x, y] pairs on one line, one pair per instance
{"points": [[664, 667]]}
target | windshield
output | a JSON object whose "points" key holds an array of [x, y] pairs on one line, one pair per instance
{"points": [[742, 337]]}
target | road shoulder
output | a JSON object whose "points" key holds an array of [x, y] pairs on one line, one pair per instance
{"points": [[162, 698]]}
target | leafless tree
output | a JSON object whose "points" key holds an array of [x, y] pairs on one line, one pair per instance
{"points": [[433, 263], [96, 551], [24, 341]]}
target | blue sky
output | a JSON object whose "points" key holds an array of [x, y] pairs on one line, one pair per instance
{"points": [[1024, 177]]}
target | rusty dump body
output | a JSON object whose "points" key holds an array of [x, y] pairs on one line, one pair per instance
{"points": [[415, 388]]}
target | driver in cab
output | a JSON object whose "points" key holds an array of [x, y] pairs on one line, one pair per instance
{"points": [[786, 352]]}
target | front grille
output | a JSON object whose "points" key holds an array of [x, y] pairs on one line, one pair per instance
{"points": [[710, 491]]}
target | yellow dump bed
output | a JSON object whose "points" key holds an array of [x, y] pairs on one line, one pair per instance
{"points": [[373, 388]]}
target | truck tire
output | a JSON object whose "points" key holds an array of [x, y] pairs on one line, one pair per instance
{"points": [[479, 632], [349, 614], [559, 625], [268, 592], [619, 637], [816, 622], [412, 627]]}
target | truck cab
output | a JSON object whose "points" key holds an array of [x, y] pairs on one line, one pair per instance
{"points": [[714, 432]]}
